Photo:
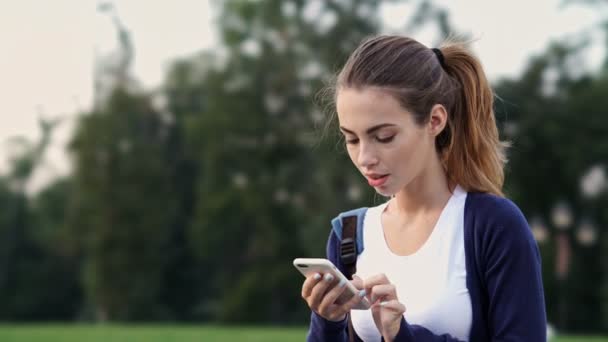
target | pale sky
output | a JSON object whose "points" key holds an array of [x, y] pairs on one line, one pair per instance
{"points": [[46, 66]]}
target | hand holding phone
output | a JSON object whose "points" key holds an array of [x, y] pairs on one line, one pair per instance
{"points": [[326, 270]]}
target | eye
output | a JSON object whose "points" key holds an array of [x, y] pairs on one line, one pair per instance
{"points": [[352, 141], [385, 140]]}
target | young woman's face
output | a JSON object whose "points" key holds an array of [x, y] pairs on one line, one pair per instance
{"points": [[382, 138]]}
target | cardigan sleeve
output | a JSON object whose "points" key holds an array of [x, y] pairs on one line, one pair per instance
{"points": [[324, 330], [511, 271]]}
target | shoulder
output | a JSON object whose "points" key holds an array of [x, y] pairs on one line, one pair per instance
{"points": [[492, 209], [496, 222]]}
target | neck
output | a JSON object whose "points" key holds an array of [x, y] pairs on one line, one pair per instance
{"points": [[429, 191]]}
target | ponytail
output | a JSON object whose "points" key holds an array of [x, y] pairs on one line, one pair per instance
{"points": [[474, 157]]}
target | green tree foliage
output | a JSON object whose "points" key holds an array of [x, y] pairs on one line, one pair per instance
{"points": [[183, 281], [122, 206], [36, 280], [553, 115]]}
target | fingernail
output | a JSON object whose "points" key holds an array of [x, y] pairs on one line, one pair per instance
{"points": [[329, 277], [317, 276], [383, 303], [342, 283], [362, 293]]}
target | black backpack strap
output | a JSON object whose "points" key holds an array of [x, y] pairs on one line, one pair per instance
{"points": [[348, 257], [348, 245]]}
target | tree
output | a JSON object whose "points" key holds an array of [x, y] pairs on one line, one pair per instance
{"points": [[30, 228], [121, 206]]}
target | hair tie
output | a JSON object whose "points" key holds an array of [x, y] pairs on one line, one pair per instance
{"points": [[440, 57]]}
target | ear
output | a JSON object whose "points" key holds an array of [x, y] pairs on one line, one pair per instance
{"points": [[438, 120]]}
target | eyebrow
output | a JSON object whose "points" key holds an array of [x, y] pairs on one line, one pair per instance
{"points": [[369, 130]]}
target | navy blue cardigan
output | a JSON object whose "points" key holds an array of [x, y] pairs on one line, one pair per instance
{"points": [[503, 278]]}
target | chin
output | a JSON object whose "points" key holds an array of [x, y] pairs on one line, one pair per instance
{"points": [[387, 192]]}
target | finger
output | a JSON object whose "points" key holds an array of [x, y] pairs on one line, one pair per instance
{"points": [[357, 282], [330, 297], [309, 283], [384, 292], [392, 305], [319, 290], [354, 301], [369, 283], [376, 279]]}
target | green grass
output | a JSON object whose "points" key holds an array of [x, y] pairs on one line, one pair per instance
{"points": [[581, 339], [169, 333], [147, 333]]}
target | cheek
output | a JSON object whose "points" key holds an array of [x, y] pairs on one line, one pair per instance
{"points": [[409, 156]]}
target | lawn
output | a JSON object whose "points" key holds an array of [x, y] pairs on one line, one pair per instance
{"points": [[169, 333], [146, 333]]}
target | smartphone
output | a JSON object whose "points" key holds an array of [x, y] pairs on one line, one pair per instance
{"points": [[309, 266]]}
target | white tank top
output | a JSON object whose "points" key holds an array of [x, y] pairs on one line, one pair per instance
{"points": [[431, 283]]}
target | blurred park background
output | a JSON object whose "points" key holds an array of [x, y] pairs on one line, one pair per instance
{"points": [[181, 197]]}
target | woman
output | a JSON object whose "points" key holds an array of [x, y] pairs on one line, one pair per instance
{"points": [[447, 257]]}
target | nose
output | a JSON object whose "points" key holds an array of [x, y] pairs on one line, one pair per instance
{"points": [[367, 156]]}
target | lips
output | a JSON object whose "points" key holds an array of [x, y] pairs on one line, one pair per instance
{"points": [[376, 180]]}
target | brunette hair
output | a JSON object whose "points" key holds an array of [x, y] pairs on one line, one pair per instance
{"points": [[418, 77]]}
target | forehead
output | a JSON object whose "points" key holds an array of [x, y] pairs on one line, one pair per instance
{"points": [[359, 109]]}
